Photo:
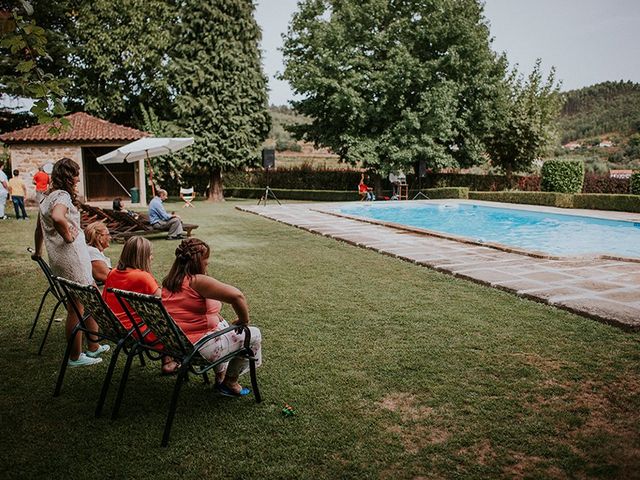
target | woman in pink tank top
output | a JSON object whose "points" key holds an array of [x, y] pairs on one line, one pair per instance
{"points": [[194, 300]]}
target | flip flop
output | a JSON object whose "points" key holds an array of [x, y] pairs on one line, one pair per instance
{"points": [[227, 392]]}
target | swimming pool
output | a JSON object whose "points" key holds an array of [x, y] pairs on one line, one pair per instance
{"points": [[552, 233]]}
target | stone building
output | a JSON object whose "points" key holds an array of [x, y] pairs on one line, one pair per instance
{"points": [[87, 139]]}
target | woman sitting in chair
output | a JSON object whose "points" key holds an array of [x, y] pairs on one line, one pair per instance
{"points": [[133, 273], [194, 300], [98, 239]]}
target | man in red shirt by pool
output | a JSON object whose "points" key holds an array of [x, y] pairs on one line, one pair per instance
{"points": [[41, 181]]}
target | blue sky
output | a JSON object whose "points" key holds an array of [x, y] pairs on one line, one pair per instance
{"points": [[588, 41]]}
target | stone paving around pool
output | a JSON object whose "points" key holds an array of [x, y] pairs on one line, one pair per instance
{"points": [[605, 290]]}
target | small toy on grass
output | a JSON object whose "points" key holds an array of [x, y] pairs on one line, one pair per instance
{"points": [[288, 410]]}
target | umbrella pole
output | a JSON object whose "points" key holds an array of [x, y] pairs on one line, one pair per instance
{"points": [[117, 181], [153, 188]]}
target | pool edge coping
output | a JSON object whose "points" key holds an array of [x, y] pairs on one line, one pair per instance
{"points": [[604, 319]]}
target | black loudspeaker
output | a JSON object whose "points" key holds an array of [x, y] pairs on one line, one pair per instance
{"points": [[421, 168], [268, 157]]}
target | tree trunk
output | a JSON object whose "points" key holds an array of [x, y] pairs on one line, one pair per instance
{"points": [[215, 186], [509, 176]]}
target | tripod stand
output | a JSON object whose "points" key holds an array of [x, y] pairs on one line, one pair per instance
{"points": [[267, 192]]}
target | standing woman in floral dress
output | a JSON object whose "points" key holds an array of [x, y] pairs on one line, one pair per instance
{"points": [[58, 228]]}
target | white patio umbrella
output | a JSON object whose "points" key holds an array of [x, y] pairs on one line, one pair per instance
{"points": [[145, 148]]}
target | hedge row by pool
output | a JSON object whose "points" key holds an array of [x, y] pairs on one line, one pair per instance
{"points": [[592, 201], [338, 195], [601, 201], [549, 199]]}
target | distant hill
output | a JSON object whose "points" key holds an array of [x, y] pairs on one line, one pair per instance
{"points": [[601, 109], [279, 137]]}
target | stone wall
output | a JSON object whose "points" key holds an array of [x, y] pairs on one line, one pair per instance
{"points": [[28, 157]]}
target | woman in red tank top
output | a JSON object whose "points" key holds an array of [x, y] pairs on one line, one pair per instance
{"points": [[194, 300]]}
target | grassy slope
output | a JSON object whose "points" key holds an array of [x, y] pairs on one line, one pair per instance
{"points": [[606, 109], [395, 371]]}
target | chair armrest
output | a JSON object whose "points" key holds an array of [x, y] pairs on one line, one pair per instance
{"points": [[200, 343]]}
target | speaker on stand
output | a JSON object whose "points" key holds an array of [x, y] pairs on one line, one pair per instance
{"points": [[421, 171], [268, 162]]}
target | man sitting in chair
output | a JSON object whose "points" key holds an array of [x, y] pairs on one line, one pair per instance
{"points": [[161, 220]]}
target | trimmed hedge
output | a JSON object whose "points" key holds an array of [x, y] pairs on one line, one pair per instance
{"points": [[445, 192], [306, 178], [596, 201], [530, 183], [562, 176], [338, 195], [297, 178], [291, 194], [476, 182], [550, 199], [593, 201], [634, 183], [598, 183]]}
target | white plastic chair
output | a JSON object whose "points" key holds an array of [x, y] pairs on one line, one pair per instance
{"points": [[187, 194]]}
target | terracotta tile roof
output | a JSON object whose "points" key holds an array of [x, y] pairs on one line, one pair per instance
{"points": [[84, 127]]}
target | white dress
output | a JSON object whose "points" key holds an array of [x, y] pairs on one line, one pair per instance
{"points": [[67, 260]]}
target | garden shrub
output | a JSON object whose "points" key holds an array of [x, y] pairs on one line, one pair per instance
{"points": [[595, 201], [563, 176], [529, 183], [634, 183], [597, 183], [550, 199]]}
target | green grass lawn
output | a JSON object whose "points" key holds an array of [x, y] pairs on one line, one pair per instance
{"points": [[395, 372]]}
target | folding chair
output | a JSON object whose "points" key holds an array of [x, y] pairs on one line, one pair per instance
{"points": [[53, 289], [110, 329], [170, 340], [187, 194]]}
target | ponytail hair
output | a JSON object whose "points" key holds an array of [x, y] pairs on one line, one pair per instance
{"points": [[190, 256]]}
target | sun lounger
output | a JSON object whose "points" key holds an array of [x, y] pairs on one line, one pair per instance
{"points": [[123, 225]]}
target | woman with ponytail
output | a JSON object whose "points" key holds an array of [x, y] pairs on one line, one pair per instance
{"points": [[194, 300]]}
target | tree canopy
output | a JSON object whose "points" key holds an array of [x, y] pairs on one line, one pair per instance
{"points": [[220, 89], [26, 63], [391, 82], [177, 67], [119, 52], [526, 126]]}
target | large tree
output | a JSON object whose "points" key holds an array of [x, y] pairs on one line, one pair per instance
{"points": [[529, 110], [391, 82], [119, 53], [220, 88], [112, 54]]}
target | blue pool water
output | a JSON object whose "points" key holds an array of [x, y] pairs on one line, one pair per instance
{"points": [[555, 234]]}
